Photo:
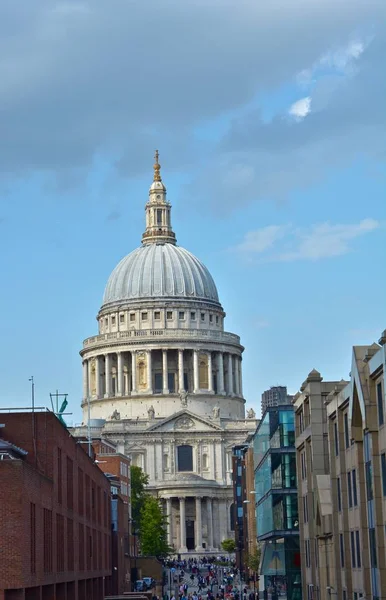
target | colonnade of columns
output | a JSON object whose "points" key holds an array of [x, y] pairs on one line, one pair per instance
{"points": [[180, 535], [119, 373]]}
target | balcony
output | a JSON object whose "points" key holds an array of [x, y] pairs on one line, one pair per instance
{"points": [[162, 334]]}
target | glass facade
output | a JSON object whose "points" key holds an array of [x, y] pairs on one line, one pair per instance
{"points": [[277, 503]]}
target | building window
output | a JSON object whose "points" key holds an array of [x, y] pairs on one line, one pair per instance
{"points": [[353, 554], [205, 462], [336, 440], [349, 490], [169, 315], [185, 458], [112, 320], [346, 431], [373, 549], [339, 494], [157, 315], [344, 594], [210, 318], [122, 318], [341, 548], [47, 540], [305, 509], [159, 216], [216, 319], [381, 417], [70, 484], [132, 317], [303, 465], [307, 549], [181, 315], [357, 539], [33, 537], [354, 487], [202, 316], [383, 469], [144, 316], [59, 476], [192, 316]]}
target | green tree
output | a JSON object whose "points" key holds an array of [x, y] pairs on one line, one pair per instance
{"points": [[253, 560], [228, 545], [138, 482], [152, 530]]}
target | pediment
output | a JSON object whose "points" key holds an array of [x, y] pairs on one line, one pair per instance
{"points": [[185, 420]]}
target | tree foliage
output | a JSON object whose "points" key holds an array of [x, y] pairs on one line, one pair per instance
{"points": [[139, 481], [228, 545], [153, 534], [253, 560]]}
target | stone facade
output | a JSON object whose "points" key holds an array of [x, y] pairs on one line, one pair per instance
{"points": [[163, 380], [341, 452]]}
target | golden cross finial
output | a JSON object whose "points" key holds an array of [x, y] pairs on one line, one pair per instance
{"points": [[157, 167]]}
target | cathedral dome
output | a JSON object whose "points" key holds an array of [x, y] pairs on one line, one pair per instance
{"points": [[162, 271]]}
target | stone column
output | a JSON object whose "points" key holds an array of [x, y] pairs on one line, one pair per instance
{"points": [[85, 380], [196, 376], [230, 375], [183, 547], [237, 374], [220, 384], [181, 386], [120, 373], [210, 522], [89, 365], [149, 372], [222, 508], [198, 525], [165, 383], [169, 519], [210, 373], [241, 378], [107, 376], [133, 372]]}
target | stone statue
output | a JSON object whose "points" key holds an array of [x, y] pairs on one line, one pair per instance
{"points": [[216, 412], [184, 398], [116, 416], [251, 413], [151, 412]]}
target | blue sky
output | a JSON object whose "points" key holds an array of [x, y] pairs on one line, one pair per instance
{"points": [[271, 130]]}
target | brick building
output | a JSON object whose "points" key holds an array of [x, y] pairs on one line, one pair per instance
{"points": [[54, 513], [116, 467]]}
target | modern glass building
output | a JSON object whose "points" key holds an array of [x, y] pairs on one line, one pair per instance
{"points": [[277, 504]]}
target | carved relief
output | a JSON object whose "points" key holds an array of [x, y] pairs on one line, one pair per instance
{"points": [[184, 423]]}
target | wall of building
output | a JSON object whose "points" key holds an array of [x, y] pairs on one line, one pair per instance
{"points": [[54, 514]]}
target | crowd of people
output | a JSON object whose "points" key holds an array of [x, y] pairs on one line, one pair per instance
{"points": [[213, 578]]}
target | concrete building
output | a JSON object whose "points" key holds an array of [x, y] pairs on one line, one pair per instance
{"points": [[343, 524], [55, 536], [275, 396], [163, 380], [277, 503]]}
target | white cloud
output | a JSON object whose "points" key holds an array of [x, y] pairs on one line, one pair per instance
{"points": [[261, 239], [319, 241], [300, 108]]}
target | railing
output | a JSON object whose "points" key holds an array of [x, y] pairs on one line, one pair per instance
{"points": [[174, 334]]}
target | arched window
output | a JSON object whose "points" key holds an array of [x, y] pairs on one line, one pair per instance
{"points": [[185, 458], [232, 509]]}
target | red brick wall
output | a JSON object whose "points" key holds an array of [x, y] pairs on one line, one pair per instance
{"points": [[52, 489]]}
